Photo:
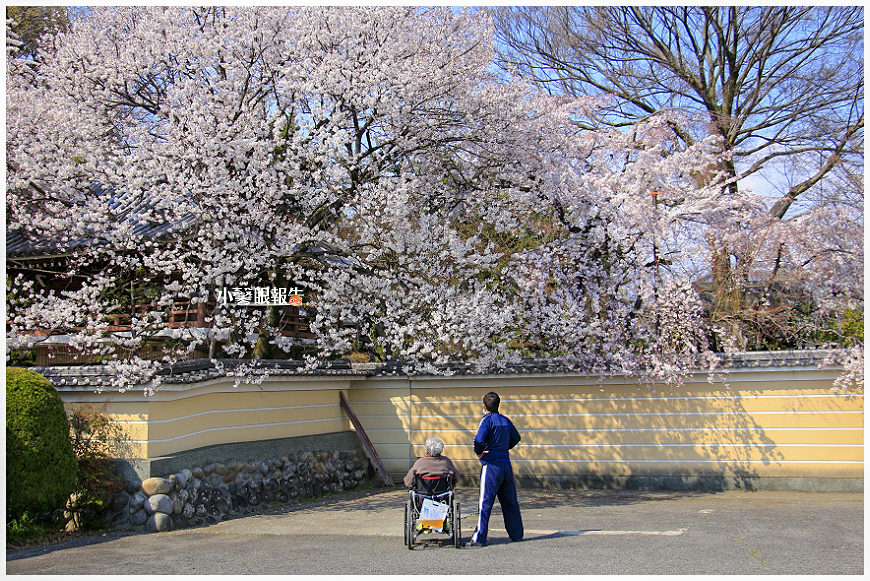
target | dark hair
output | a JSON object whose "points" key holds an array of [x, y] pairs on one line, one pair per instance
{"points": [[491, 401]]}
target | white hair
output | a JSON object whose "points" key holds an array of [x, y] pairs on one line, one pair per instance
{"points": [[434, 446]]}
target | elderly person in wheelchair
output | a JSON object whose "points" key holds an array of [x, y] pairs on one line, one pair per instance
{"points": [[433, 465], [431, 481]]}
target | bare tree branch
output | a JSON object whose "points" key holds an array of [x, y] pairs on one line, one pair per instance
{"points": [[772, 81]]}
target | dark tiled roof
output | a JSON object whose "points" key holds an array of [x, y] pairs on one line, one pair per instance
{"points": [[802, 358], [130, 209], [190, 372]]}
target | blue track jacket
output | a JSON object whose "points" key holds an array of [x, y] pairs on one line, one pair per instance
{"points": [[495, 436]]}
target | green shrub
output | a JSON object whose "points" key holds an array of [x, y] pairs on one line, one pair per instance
{"points": [[40, 463], [25, 530], [95, 438]]}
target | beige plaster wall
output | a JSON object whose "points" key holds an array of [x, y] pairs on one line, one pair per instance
{"points": [[766, 423]]}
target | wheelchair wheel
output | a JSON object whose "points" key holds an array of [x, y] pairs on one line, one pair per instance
{"points": [[456, 526], [405, 527], [409, 524]]}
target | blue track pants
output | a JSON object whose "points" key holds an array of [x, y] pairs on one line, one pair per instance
{"points": [[497, 480]]}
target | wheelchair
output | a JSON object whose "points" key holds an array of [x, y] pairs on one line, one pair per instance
{"points": [[438, 490]]}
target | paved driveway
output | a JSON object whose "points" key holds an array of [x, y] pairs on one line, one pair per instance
{"points": [[567, 532]]}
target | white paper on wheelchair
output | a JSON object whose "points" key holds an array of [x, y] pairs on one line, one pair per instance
{"points": [[433, 514]]}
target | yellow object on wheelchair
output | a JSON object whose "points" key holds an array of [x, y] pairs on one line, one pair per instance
{"points": [[433, 515]]}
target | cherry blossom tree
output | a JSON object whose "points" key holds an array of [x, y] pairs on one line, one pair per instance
{"points": [[320, 148], [35, 26], [427, 207], [782, 86]]}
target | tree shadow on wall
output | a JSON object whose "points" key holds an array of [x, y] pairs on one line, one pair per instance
{"points": [[693, 437], [682, 439]]}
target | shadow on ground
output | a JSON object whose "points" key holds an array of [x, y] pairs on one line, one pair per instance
{"points": [[536, 499], [386, 499]]}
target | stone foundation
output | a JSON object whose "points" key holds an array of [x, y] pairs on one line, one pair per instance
{"points": [[217, 491]]}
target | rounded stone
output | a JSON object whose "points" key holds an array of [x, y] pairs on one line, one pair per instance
{"points": [[177, 505], [215, 480], [122, 521], [183, 478], [208, 469], [137, 500], [120, 501], [196, 472], [152, 486], [220, 469], [158, 523], [138, 518], [158, 503], [179, 522], [187, 511]]}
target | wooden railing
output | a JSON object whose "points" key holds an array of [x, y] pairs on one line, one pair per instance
{"points": [[185, 314], [195, 315]]}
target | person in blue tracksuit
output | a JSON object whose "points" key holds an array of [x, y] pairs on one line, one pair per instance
{"points": [[495, 436]]}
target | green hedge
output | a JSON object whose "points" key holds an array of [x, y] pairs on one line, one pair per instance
{"points": [[40, 462]]}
